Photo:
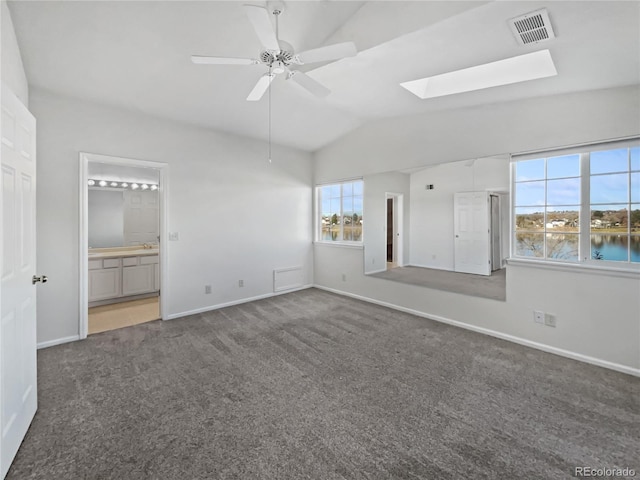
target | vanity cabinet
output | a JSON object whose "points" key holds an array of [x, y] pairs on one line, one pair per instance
{"points": [[104, 279], [138, 275], [112, 278]]}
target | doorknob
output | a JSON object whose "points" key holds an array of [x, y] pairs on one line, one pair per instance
{"points": [[41, 278]]}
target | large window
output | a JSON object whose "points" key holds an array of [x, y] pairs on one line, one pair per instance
{"points": [[579, 205], [340, 212]]}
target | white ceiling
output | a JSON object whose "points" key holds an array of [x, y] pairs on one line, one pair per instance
{"points": [[135, 55]]}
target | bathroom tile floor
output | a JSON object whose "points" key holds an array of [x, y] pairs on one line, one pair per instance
{"points": [[125, 314]]}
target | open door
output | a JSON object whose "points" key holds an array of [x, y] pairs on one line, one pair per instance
{"points": [[393, 229], [471, 225], [18, 384]]}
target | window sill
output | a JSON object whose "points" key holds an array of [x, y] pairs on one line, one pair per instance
{"points": [[358, 246], [582, 268]]}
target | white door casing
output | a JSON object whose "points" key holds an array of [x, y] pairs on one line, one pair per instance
{"points": [[398, 226], [471, 233], [18, 383], [160, 268]]}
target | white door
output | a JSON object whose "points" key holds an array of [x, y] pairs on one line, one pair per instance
{"points": [[18, 401], [140, 217], [471, 225]]}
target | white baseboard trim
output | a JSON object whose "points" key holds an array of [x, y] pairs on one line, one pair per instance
{"points": [[376, 271], [504, 336], [58, 341], [234, 302]]}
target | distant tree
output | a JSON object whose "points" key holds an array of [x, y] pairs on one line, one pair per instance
{"points": [[597, 214], [334, 219], [355, 218], [635, 217]]}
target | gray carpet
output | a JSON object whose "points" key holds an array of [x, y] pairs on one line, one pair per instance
{"points": [[312, 385], [492, 286]]}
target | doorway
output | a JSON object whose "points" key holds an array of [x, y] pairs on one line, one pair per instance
{"points": [[494, 226], [122, 239], [393, 230]]}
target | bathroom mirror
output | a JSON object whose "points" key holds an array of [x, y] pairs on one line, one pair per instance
{"points": [[421, 222], [122, 206]]}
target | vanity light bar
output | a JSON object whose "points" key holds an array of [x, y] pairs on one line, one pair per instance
{"points": [[117, 184]]}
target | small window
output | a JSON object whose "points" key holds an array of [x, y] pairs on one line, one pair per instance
{"points": [[339, 218]]}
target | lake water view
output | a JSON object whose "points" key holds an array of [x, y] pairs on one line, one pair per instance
{"points": [[609, 247]]}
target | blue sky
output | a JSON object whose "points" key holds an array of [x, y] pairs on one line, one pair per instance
{"points": [[352, 198], [606, 185]]}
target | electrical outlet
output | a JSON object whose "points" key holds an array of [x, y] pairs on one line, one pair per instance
{"points": [[549, 320], [174, 236], [538, 317], [344, 277], [241, 283], [207, 289]]}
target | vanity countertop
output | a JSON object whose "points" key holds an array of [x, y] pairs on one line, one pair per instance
{"points": [[115, 252]]}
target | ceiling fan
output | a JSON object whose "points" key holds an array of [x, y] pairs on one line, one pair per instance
{"points": [[279, 56]]}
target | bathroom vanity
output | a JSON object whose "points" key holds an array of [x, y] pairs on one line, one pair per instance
{"points": [[120, 272]]}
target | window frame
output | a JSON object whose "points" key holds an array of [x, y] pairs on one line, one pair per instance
{"points": [[584, 232], [318, 213]]}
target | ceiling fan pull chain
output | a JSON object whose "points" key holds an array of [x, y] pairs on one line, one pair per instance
{"points": [[270, 109]]}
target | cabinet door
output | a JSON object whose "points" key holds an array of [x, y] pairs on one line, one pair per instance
{"points": [[104, 283], [137, 280]]}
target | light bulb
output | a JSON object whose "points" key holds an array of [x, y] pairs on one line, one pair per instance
{"points": [[124, 184], [154, 187], [114, 184], [102, 183], [134, 186], [91, 183], [145, 186]]}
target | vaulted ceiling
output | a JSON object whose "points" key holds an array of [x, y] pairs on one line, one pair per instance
{"points": [[136, 55]]}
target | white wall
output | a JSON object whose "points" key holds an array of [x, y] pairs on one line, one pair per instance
{"points": [[105, 218], [432, 223], [586, 324], [483, 131], [375, 204], [13, 74], [238, 217]]}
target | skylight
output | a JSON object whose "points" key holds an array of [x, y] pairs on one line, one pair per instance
{"points": [[503, 72]]}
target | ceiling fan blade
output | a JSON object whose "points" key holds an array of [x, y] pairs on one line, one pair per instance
{"points": [[261, 21], [330, 52], [261, 87], [204, 60], [309, 83]]}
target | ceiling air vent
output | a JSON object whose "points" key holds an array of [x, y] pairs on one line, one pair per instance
{"points": [[534, 27]]}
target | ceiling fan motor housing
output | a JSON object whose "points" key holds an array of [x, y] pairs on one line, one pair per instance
{"points": [[285, 55]]}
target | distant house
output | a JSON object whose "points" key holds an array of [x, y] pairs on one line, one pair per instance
{"points": [[597, 223], [556, 223]]}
